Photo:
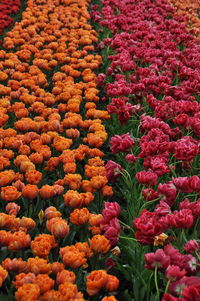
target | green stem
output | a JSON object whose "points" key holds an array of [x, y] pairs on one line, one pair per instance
{"points": [[184, 236], [149, 286], [149, 203], [173, 172], [173, 234], [180, 239], [197, 255], [167, 286], [156, 282], [129, 238], [127, 226], [127, 178], [196, 224], [100, 198], [191, 195]]}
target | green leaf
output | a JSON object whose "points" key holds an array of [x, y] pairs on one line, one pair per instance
{"points": [[3, 253], [127, 296]]}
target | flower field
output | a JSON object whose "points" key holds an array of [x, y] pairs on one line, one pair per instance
{"points": [[99, 150]]}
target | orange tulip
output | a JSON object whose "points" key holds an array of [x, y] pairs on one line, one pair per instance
{"points": [[27, 223], [23, 278], [190, 10], [73, 181], [47, 131], [69, 291], [95, 281], [23, 149], [107, 191], [16, 265], [36, 158], [5, 237], [51, 212], [33, 177], [12, 208], [72, 257], [73, 199], [96, 219], [6, 177], [84, 247], [58, 189], [27, 166], [42, 245], [3, 76], [87, 198], [92, 171], [44, 282], [65, 276], [8, 221], [79, 216], [57, 267], [28, 291], [38, 265], [95, 230], [19, 240], [98, 182], [46, 192], [51, 221], [10, 193], [60, 228], [112, 283], [19, 185], [30, 191], [73, 133], [52, 163], [87, 186], [99, 244], [69, 167]]}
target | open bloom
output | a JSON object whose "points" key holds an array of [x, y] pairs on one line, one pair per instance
{"points": [[174, 273], [65, 276], [42, 245], [121, 143], [28, 291], [72, 257], [147, 177], [158, 258], [191, 246], [99, 244], [112, 283], [95, 281], [113, 170], [60, 228], [30, 191], [112, 209], [44, 282], [10, 193], [112, 229]]}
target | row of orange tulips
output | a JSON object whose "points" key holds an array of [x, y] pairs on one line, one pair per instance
{"points": [[52, 171]]}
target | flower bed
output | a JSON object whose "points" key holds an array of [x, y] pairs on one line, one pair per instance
{"points": [[99, 152], [52, 172], [152, 83]]}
